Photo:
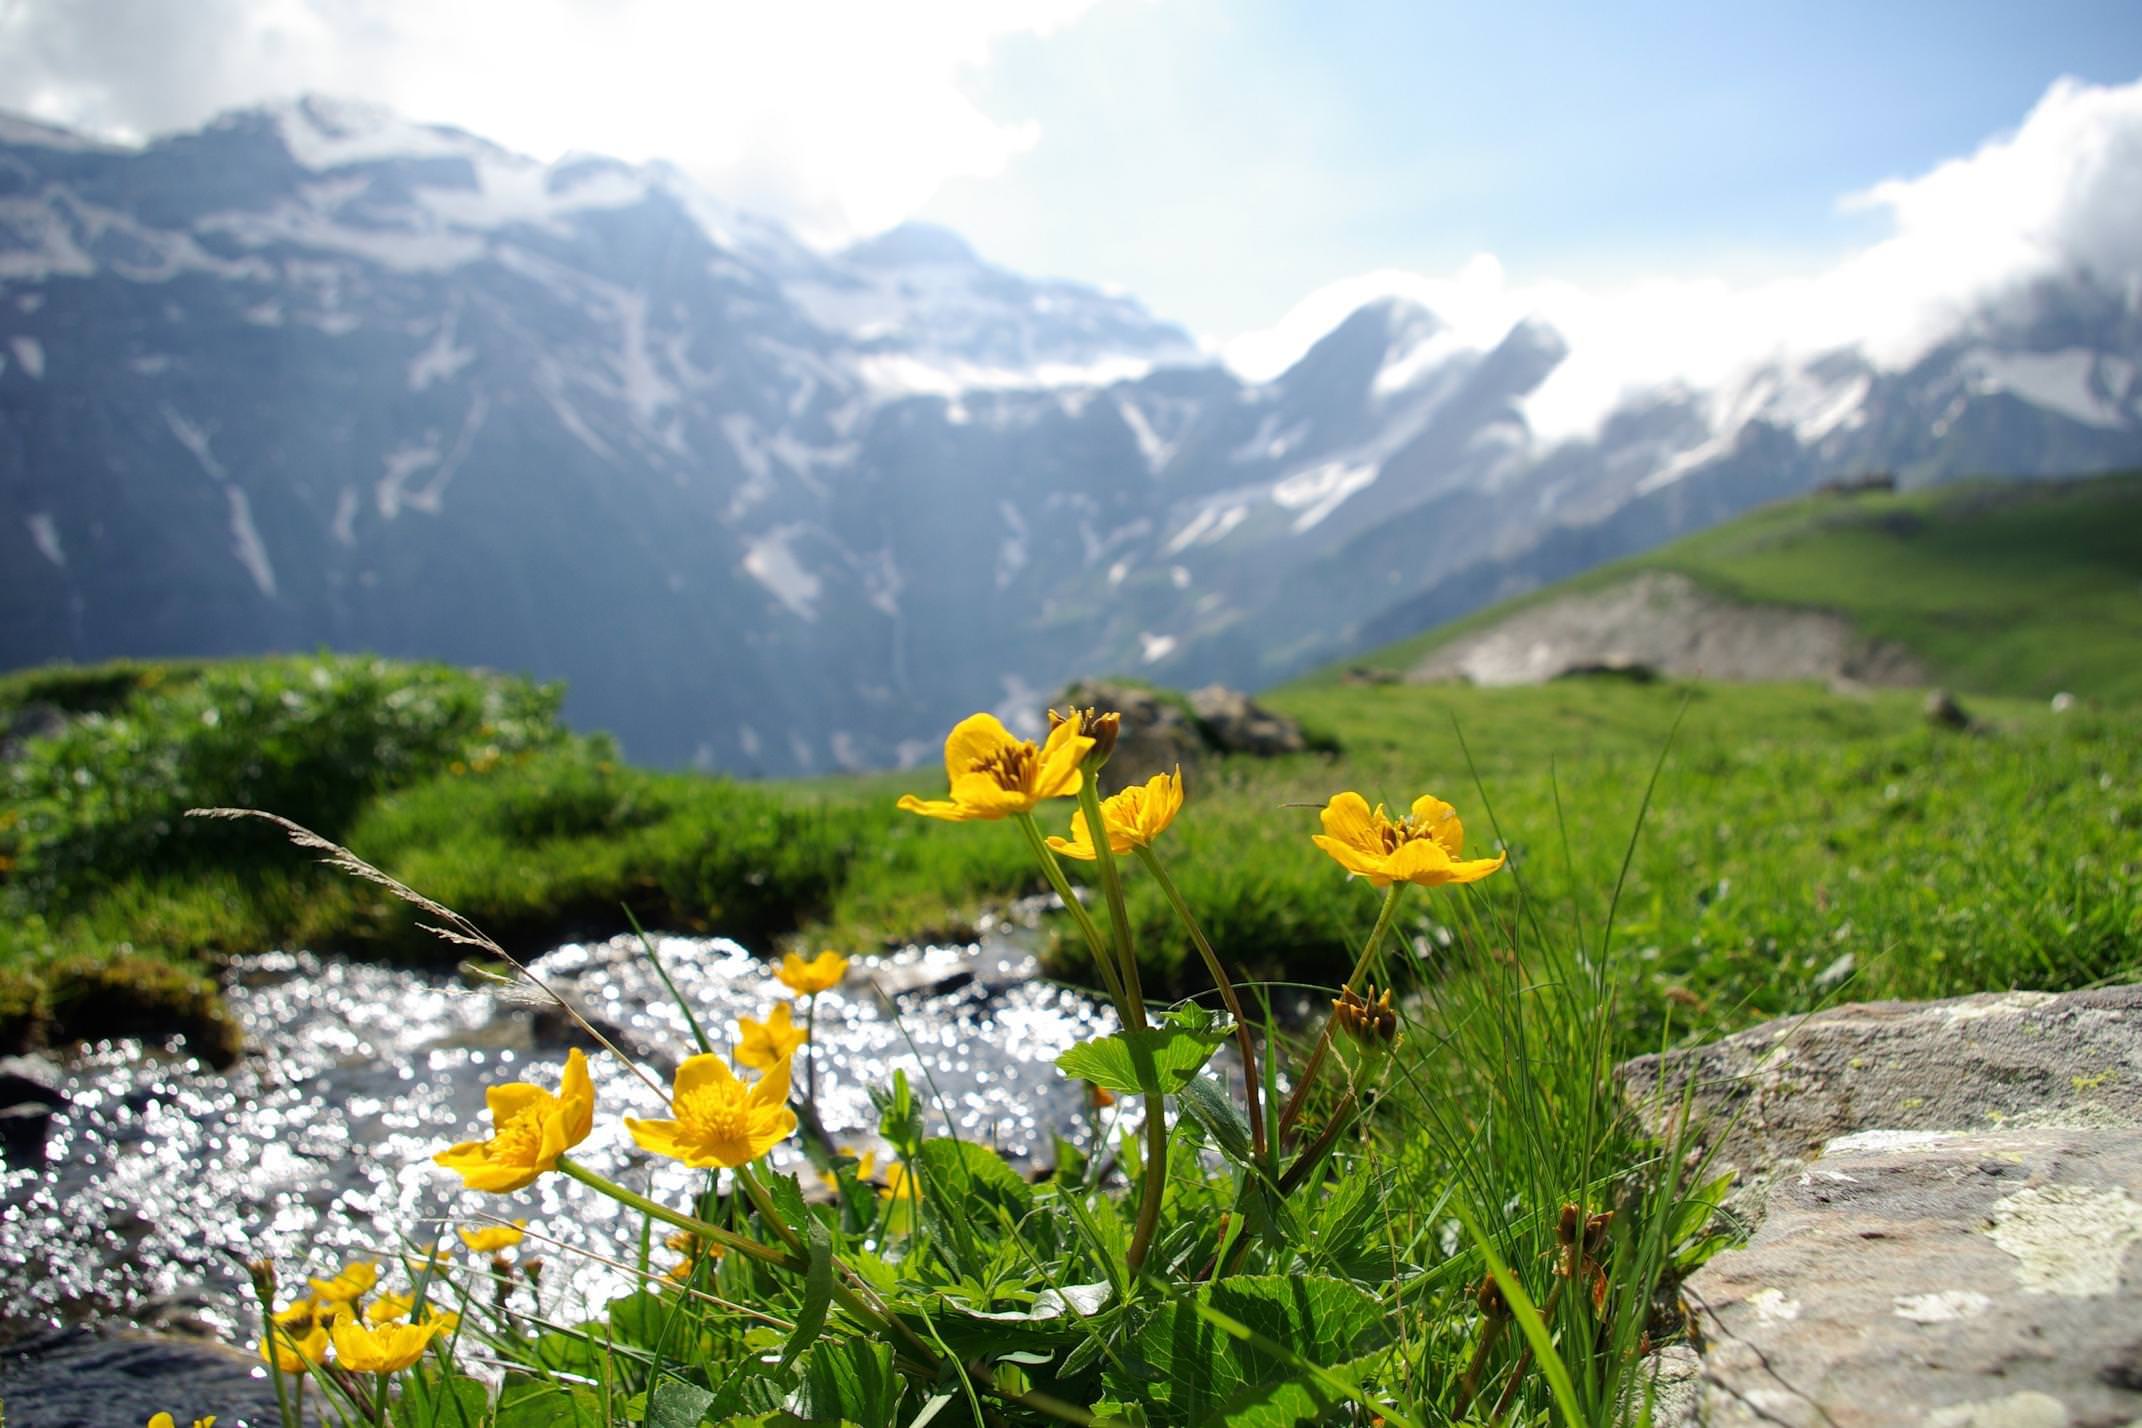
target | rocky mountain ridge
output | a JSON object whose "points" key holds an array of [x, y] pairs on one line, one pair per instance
{"points": [[316, 375]]}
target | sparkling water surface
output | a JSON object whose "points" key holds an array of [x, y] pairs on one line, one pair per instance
{"points": [[163, 1177]]}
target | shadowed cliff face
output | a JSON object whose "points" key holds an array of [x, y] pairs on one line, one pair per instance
{"points": [[314, 376]]}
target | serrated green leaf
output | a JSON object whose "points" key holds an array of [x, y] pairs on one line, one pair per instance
{"points": [[970, 1178], [1194, 1366], [1161, 1058], [677, 1404], [851, 1379]]}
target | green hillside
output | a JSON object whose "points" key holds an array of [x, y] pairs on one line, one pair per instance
{"points": [[2015, 587]]}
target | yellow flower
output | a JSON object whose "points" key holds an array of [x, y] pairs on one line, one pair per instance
{"points": [[390, 1348], [899, 1185], [865, 1167], [1423, 847], [994, 775], [807, 978], [163, 1420], [493, 1238], [353, 1283], [1133, 818], [293, 1352], [300, 1313], [530, 1129], [388, 1307], [759, 1044], [719, 1120]]}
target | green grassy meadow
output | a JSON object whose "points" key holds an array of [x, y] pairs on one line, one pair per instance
{"points": [[1793, 831]]}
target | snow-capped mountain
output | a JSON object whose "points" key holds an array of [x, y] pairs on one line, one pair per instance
{"points": [[315, 375]]}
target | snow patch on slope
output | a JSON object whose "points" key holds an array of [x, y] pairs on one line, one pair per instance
{"points": [[772, 562]]}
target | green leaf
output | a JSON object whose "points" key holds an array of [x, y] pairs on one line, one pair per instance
{"points": [[1208, 1103], [967, 1179], [1193, 1365], [817, 1293], [677, 1404], [530, 1403], [851, 1379], [1162, 1059], [448, 1402]]}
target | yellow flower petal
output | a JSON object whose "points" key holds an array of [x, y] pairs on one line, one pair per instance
{"points": [[759, 1044], [993, 774], [819, 974], [390, 1348], [1424, 847], [490, 1239], [531, 1128], [716, 1120]]}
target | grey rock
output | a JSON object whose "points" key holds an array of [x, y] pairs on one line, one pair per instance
{"points": [[1992, 1278], [1949, 1198], [1157, 732], [1779, 1091], [1945, 711], [1236, 724], [75, 1378], [29, 1094]]}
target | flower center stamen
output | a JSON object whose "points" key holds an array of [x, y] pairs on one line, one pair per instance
{"points": [[1011, 766], [714, 1119]]}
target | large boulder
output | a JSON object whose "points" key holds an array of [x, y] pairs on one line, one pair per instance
{"points": [[1236, 724], [1948, 1199], [1158, 730], [1162, 729]]}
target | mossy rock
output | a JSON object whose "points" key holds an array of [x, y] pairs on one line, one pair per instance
{"points": [[93, 999]]}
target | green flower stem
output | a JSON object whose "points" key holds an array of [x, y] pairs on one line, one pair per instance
{"points": [[1226, 985], [1155, 1184], [275, 1368], [1323, 1040], [713, 1234], [1104, 858], [1094, 941]]}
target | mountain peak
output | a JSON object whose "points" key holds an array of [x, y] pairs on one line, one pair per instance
{"points": [[913, 245], [322, 131]]}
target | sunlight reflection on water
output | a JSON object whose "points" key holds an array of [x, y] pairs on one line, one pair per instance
{"points": [[162, 1176]]}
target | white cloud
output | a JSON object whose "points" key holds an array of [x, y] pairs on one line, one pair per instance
{"points": [[2063, 192], [841, 116]]}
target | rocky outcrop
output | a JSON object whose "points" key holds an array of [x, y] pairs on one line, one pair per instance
{"points": [[1234, 723], [77, 1378], [1162, 729], [1948, 1200], [1665, 623]]}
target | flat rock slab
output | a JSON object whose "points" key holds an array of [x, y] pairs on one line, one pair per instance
{"points": [[76, 1378], [1982, 1280], [1778, 1092]]}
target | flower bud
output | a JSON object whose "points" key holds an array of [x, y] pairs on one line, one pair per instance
{"points": [[1364, 1029], [1099, 727], [1366, 1020], [263, 1272]]}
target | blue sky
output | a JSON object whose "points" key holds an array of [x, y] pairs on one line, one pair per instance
{"points": [[1221, 160]]}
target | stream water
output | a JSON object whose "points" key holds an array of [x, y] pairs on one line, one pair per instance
{"points": [[162, 1177]]}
